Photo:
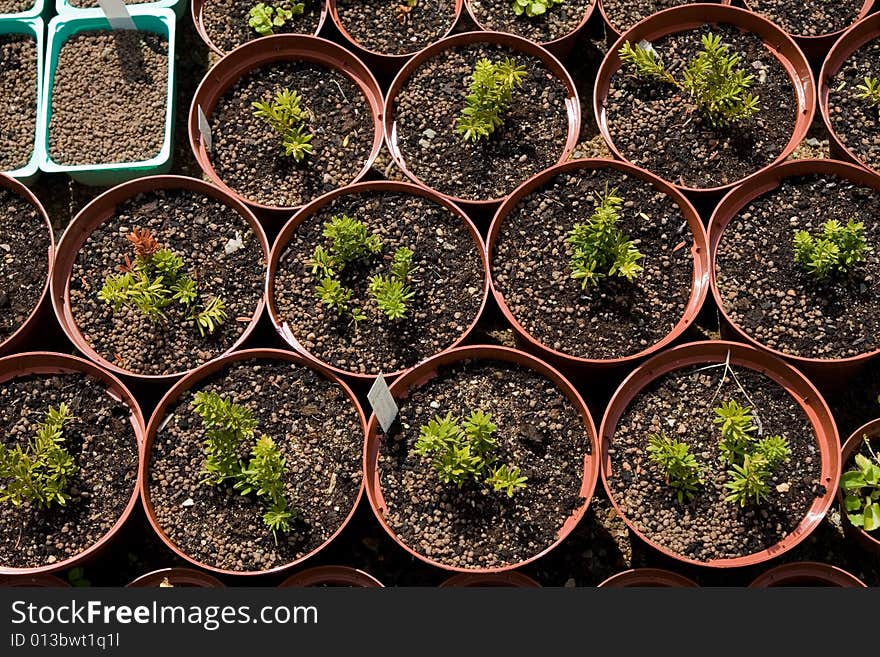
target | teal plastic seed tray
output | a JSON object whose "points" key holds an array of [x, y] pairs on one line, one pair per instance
{"points": [[61, 28], [64, 8], [29, 172]]}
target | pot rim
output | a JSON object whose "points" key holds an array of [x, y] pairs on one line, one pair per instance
{"points": [[550, 44], [798, 387], [267, 50], [508, 578], [656, 577], [47, 362], [699, 250], [690, 16], [615, 33], [332, 575], [192, 379], [177, 577], [818, 39], [553, 65], [97, 213], [739, 198], [309, 210], [417, 376], [789, 574]]}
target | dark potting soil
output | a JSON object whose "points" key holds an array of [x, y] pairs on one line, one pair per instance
{"points": [[658, 127], [15, 6], [538, 430], [555, 23], [855, 120], [384, 26], [24, 260], [448, 284], [18, 99], [531, 267], [680, 404], [85, 4], [109, 98], [248, 154], [531, 139], [810, 18], [226, 21], [317, 430], [102, 443], [623, 14], [774, 299], [199, 230]]}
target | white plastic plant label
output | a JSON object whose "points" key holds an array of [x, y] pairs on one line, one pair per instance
{"points": [[205, 129], [383, 403], [117, 14]]}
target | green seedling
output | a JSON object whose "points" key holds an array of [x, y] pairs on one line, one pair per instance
{"points": [[263, 18], [861, 488], [286, 116], [532, 8], [678, 466], [869, 91], [837, 249], [490, 94]]}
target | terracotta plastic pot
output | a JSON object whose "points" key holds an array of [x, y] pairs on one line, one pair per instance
{"points": [[796, 384], [700, 251], [427, 370], [687, 17], [560, 47], [178, 578], [194, 378], [102, 209], [572, 103], [33, 581], [816, 47], [510, 579], [331, 576], [855, 37], [381, 62], [806, 573], [822, 370], [648, 577], [611, 32], [196, 8], [314, 207], [264, 51], [48, 363], [20, 336], [867, 540]]}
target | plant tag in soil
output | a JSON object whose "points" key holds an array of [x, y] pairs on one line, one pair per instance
{"points": [[383, 403], [117, 14], [204, 128]]}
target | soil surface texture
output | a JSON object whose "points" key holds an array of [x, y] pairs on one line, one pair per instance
{"points": [[623, 14], [810, 18], [384, 26], [226, 21], [557, 22], [18, 99], [855, 120], [15, 6]]}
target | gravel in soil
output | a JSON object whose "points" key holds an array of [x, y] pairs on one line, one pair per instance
{"points": [[101, 441], [109, 98], [24, 261], [538, 430], [774, 299], [383, 26], [616, 318], [448, 283], [205, 234], [18, 99], [810, 18], [87, 4], [853, 119], [226, 21], [555, 23], [531, 138], [15, 6], [248, 154], [680, 404], [623, 14], [317, 430], [656, 126]]}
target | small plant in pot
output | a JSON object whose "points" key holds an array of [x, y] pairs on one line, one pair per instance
{"points": [[393, 28], [26, 253], [474, 115], [489, 464], [376, 277], [621, 15], [226, 24], [703, 107], [859, 494], [719, 454], [155, 283], [291, 118], [796, 256], [69, 457], [544, 21], [598, 262], [253, 462]]}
